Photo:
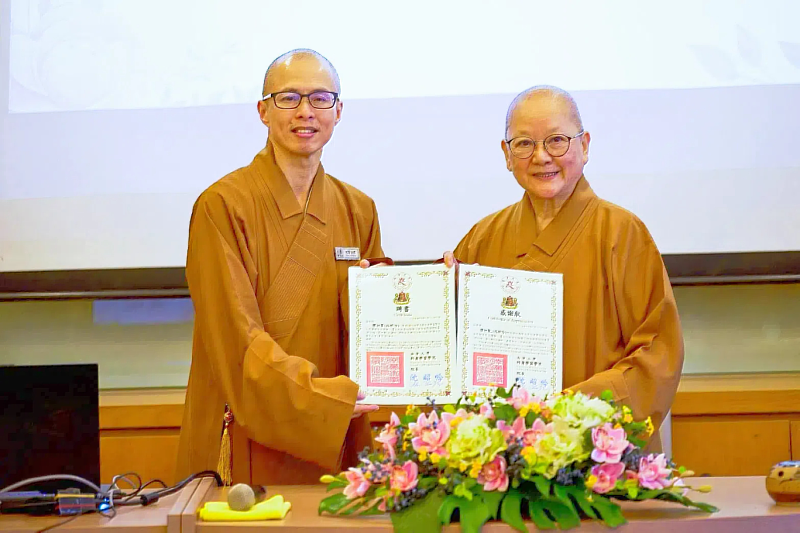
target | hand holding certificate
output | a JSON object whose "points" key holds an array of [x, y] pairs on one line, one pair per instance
{"points": [[404, 347]]}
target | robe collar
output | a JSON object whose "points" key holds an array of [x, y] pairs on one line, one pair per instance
{"points": [[554, 234], [279, 186]]}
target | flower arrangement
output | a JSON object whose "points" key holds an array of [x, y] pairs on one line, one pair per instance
{"points": [[509, 455]]}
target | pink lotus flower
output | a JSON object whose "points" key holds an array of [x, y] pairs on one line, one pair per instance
{"points": [[537, 431], [487, 411], [430, 433], [609, 443], [607, 475], [653, 472], [461, 415], [493, 476], [521, 397], [404, 478], [358, 483], [517, 430], [388, 437]]}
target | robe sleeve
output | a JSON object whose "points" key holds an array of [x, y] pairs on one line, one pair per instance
{"points": [[462, 250], [647, 376], [371, 247], [275, 397]]}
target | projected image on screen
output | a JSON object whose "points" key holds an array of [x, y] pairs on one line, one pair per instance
{"points": [[120, 112]]}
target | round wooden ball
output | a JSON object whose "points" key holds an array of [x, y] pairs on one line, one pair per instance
{"points": [[783, 483]]}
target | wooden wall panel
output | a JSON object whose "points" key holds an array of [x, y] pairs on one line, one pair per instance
{"points": [[795, 436], [730, 446], [151, 453]]}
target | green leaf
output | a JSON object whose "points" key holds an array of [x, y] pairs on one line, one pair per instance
{"points": [[372, 510], [566, 516], [473, 513], [562, 493], [683, 500], [502, 393], [428, 482], [492, 500], [542, 521], [407, 419], [449, 408], [607, 396], [609, 511], [337, 483], [463, 492], [332, 504], [505, 412], [353, 508], [542, 485], [449, 504], [510, 510], [422, 517]]}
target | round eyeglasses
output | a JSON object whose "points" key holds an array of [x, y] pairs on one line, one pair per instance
{"points": [[556, 145], [291, 100]]}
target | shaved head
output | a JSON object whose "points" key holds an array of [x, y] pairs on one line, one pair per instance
{"points": [[300, 54], [547, 92]]}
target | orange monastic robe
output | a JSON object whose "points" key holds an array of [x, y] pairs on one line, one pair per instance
{"points": [[270, 335], [621, 325]]}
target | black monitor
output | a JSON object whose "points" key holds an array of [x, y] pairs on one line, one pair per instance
{"points": [[49, 425]]}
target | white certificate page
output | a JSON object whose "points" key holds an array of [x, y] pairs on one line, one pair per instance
{"points": [[403, 334], [510, 329]]}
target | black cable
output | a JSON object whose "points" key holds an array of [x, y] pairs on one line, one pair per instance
{"points": [[151, 498]]}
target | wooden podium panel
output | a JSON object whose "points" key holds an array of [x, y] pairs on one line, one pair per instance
{"points": [[745, 507]]}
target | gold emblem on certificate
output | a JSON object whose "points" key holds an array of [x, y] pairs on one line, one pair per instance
{"points": [[510, 286], [402, 282]]}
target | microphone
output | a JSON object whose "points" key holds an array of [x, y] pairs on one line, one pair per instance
{"points": [[243, 497]]}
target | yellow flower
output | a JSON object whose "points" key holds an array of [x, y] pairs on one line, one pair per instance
{"points": [[423, 453], [591, 482], [405, 445], [627, 418], [523, 410], [327, 478], [649, 426], [442, 481], [455, 421], [475, 470], [569, 392], [409, 409], [617, 426], [462, 466], [535, 407], [367, 475], [704, 488], [626, 410], [529, 454], [435, 457]]}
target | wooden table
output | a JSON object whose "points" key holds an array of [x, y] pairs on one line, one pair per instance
{"points": [[744, 506], [164, 516]]}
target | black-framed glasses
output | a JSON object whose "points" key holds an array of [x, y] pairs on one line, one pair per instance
{"points": [[291, 100], [556, 145]]}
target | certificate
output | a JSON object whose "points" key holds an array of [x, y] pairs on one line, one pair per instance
{"points": [[510, 329], [403, 334]]}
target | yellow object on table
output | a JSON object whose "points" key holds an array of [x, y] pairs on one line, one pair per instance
{"points": [[272, 509]]}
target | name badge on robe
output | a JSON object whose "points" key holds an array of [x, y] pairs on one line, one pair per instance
{"points": [[347, 254]]}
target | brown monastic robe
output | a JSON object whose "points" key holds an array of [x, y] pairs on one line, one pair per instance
{"points": [[621, 325], [270, 334]]}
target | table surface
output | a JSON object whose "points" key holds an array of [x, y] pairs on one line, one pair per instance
{"points": [[154, 518], [744, 506]]}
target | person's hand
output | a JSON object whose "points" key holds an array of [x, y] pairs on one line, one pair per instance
{"points": [[449, 259], [364, 263], [360, 409]]}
